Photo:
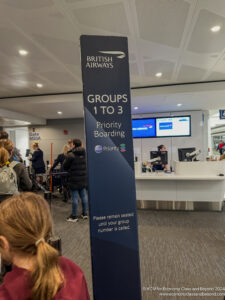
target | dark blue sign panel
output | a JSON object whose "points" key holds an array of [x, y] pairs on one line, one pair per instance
{"points": [[111, 181], [143, 128], [222, 114]]}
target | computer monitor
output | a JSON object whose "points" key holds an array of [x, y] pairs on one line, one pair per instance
{"points": [[162, 154], [164, 157], [182, 154], [27, 152]]}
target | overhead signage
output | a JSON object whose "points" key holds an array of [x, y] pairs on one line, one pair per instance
{"points": [[111, 181], [222, 114], [34, 136]]}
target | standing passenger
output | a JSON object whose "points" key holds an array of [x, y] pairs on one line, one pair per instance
{"points": [[220, 147], [70, 143], [8, 180], [37, 161], [23, 180], [16, 156], [59, 160], [75, 165]]}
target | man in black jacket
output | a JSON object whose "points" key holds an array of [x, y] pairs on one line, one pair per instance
{"points": [[75, 165]]}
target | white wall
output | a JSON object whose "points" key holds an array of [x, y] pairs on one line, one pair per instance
{"points": [[53, 133], [19, 136], [198, 138]]}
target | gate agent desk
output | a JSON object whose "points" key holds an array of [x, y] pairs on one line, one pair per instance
{"points": [[203, 190]]}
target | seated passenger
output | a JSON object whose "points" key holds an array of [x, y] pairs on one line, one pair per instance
{"points": [[23, 180], [38, 272]]}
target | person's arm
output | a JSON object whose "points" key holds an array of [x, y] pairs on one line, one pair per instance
{"points": [[25, 184], [56, 162], [166, 167], [67, 162], [34, 156]]}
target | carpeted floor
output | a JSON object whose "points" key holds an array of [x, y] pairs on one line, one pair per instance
{"points": [[183, 251]]}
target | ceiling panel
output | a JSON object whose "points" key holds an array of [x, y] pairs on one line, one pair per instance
{"points": [[70, 109], [111, 17], [12, 41], [190, 74], [202, 39], [216, 76], [168, 36], [162, 21], [66, 51], [60, 78], [28, 5], [8, 122], [153, 67]]}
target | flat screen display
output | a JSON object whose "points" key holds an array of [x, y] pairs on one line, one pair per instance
{"points": [[143, 128], [173, 126]]}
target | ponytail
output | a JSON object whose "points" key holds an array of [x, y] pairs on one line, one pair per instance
{"points": [[25, 221], [46, 275]]}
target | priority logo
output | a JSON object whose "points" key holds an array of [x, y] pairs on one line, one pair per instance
{"points": [[122, 147], [98, 149]]}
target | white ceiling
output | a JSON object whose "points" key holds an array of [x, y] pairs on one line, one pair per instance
{"points": [[168, 36]]}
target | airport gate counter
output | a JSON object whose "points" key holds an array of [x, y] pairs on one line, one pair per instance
{"points": [[193, 186]]}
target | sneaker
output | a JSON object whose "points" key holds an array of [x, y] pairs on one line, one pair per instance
{"points": [[84, 216], [72, 218]]}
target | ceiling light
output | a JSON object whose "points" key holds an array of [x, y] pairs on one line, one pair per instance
{"points": [[159, 74], [59, 112], [136, 107], [215, 28], [179, 104], [23, 52], [39, 85]]}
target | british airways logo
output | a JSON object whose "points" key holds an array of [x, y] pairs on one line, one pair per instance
{"points": [[119, 54], [104, 61]]}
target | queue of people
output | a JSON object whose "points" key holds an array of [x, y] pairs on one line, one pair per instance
{"points": [[13, 174], [14, 177], [38, 271]]}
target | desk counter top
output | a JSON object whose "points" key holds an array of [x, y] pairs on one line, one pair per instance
{"points": [[173, 176]]}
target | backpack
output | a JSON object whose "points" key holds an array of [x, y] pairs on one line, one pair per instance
{"points": [[8, 181]]}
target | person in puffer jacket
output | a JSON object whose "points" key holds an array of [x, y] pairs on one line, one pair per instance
{"points": [[75, 165]]}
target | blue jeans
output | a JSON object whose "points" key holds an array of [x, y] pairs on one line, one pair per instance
{"points": [[83, 195]]}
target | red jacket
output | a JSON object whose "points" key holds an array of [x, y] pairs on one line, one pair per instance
{"points": [[16, 286]]}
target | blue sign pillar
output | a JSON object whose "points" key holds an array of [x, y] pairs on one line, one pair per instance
{"points": [[111, 181]]}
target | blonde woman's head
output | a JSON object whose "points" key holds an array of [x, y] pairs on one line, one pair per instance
{"points": [[35, 146], [65, 149]]}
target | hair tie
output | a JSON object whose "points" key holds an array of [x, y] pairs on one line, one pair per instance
{"points": [[40, 240]]}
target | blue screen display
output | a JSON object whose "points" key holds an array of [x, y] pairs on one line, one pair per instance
{"points": [[143, 128]]}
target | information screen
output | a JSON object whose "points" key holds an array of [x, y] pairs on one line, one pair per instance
{"points": [[173, 126], [143, 128]]}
